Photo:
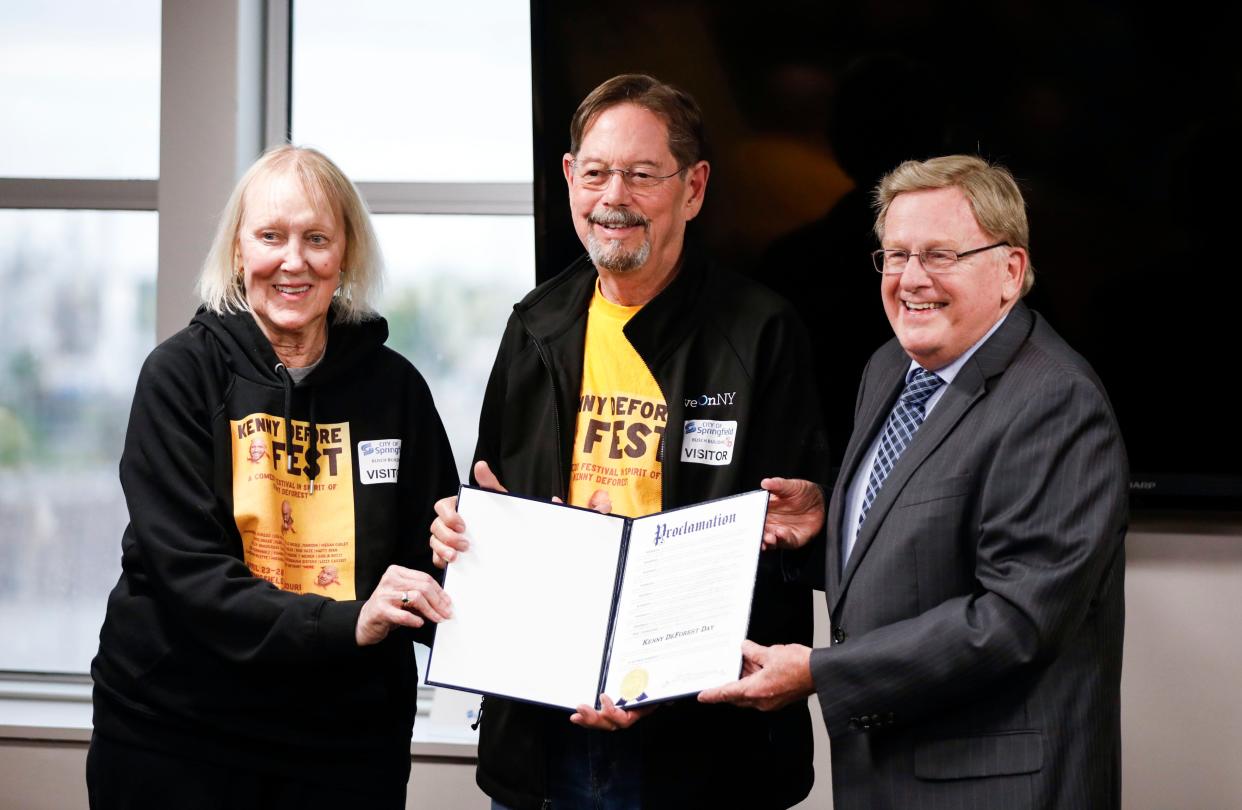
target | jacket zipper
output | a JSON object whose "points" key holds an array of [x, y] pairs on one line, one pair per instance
{"points": [[660, 446], [556, 409]]}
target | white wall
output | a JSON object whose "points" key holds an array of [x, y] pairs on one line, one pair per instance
{"points": [[1181, 721]]}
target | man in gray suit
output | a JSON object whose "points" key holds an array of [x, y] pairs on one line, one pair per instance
{"points": [[975, 534]]}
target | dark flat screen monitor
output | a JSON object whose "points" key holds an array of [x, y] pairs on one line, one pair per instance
{"points": [[1122, 122]]}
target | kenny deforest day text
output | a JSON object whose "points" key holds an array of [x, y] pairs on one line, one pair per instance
{"points": [[678, 634]]}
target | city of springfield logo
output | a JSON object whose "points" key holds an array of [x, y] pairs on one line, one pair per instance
{"points": [[707, 400]]}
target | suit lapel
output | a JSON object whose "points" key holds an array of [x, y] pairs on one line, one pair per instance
{"points": [[872, 411], [968, 387]]}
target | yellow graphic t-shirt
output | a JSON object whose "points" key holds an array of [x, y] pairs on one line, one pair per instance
{"points": [[297, 539], [621, 418]]}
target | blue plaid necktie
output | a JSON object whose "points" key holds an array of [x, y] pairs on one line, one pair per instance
{"points": [[903, 422]]}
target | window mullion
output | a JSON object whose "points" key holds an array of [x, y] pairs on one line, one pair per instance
{"points": [[78, 194]]}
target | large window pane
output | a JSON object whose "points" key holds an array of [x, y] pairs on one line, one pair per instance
{"points": [[80, 89], [452, 282], [432, 92], [77, 317]]}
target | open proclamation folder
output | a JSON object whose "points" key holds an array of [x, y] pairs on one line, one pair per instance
{"points": [[556, 605]]}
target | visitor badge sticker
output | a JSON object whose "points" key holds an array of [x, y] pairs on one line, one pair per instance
{"points": [[708, 441], [378, 461]]}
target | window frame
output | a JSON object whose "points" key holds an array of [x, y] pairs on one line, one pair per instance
{"points": [[252, 114]]}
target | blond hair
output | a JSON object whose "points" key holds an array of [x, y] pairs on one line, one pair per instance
{"points": [[220, 284], [990, 189]]}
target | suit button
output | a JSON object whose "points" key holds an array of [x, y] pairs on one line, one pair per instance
{"points": [[838, 636], [866, 721], [853, 724]]}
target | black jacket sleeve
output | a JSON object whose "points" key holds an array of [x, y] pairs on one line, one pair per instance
{"points": [[491, 425]]}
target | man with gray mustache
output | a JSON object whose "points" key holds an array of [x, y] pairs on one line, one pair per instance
{"points": [[642, 379], [611, 254]]}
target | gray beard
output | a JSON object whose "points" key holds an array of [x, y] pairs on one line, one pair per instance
{"points": [[611, 255]]}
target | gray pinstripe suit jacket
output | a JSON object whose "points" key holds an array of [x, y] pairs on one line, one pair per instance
{"points": [[976, 659]]}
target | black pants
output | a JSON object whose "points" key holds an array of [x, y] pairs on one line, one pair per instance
{"points": [[120, 776]]}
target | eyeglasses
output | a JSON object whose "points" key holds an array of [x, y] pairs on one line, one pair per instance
{"points": [[597, 176], [893, 262]]}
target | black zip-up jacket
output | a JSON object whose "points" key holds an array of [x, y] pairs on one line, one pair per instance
{"points": [[197, 654], [721, 348]]}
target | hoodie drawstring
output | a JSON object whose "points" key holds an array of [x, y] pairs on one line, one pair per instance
{"points": [[311, 468]]}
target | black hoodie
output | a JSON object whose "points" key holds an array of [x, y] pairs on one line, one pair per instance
{"points": [[199, 650]]}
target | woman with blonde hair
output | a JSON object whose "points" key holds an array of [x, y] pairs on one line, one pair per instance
{"points": [[242, 664]]}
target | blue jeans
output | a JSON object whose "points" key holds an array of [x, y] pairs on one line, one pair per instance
{"points": [[593, 770]]}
